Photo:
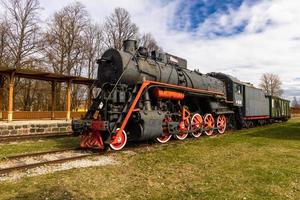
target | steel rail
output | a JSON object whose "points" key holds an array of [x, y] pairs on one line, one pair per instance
{"points": [[40, 153], [10, 138], [37, 164], [62, 160]]}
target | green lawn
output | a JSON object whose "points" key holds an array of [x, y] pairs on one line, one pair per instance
{"points": [[261, 163], [28, 146]]}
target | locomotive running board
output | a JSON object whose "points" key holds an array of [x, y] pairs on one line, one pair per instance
{"points": [[147, 83]]}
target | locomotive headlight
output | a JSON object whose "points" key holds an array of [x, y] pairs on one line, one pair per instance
{"points": [[101, 105]]}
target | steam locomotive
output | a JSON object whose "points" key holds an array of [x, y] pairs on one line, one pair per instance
{"points": [[154, 96]]}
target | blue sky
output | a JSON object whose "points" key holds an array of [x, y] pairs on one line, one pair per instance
{"points": [[192, 13], [244, 38]]}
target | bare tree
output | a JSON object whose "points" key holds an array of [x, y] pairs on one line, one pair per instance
{"points": [[271, 84], [147, 40], [93, 37], [65, 44], [23, 43], [4, 43], [63, 40], [93, 47], [295, 103], [118, 27], [23, 33]]}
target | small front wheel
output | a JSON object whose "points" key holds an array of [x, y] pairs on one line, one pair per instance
{"points": [[121, 142]]}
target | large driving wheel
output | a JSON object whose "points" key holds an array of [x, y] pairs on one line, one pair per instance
{"points": [[166, 136], [221, 123], [182, 128], [209, 124], [181, 136], [196, 125]]}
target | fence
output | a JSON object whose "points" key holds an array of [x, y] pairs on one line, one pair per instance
{"points": [[22, 115], [295, 112]]}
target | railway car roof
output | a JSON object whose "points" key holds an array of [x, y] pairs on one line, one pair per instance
{"points": [[232, 78]]}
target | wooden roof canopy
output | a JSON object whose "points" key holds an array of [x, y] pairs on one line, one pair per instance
{"points": [[45, 76]]}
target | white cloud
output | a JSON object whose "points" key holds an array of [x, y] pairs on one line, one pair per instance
{"points": [[270, 41]]}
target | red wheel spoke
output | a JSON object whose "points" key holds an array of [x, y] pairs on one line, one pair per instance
{"points": [[122, 140], [209, 124], [221, 123], [166, 136], [184, 126], [197, 124]]}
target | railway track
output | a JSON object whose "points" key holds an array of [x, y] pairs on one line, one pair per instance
{"points": [[20, 162], [12, 138], [39, 153]]}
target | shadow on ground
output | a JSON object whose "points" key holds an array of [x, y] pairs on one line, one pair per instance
{"points": [[286, 131]]}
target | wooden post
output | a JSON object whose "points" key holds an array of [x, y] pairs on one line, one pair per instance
{"points": [[68, 99], [10, 97], [53, 99], [1, 97], [89, 103]]}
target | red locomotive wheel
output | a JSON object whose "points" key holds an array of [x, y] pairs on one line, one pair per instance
{"points": [[209, 124], [184, 127], [181, 136], [166, 136], [221, 124], [197, 125], [122, 140]]}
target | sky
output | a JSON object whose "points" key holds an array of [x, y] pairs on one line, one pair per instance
{"points": [[244, 38]]}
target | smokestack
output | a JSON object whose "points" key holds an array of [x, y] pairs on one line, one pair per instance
{"points": [[130, 46]]}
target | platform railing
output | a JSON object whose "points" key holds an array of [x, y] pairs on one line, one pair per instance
{"points": [[44, 115], [295, 115]]}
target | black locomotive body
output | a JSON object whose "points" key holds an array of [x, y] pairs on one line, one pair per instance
{"points": [[156, 97]]}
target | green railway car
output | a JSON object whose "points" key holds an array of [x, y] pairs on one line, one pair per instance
{"points": [[279, 108]]}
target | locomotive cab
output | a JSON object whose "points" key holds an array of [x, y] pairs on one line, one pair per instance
{"points": [[234, 88]]}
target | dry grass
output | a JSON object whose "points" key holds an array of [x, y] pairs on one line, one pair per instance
{"points": [[261, 163]]}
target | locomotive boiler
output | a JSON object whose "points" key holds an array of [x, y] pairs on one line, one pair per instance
{"points": [[135, 65]]}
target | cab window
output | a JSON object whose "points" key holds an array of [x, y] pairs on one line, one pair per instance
{"points": [[238, 89]]}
